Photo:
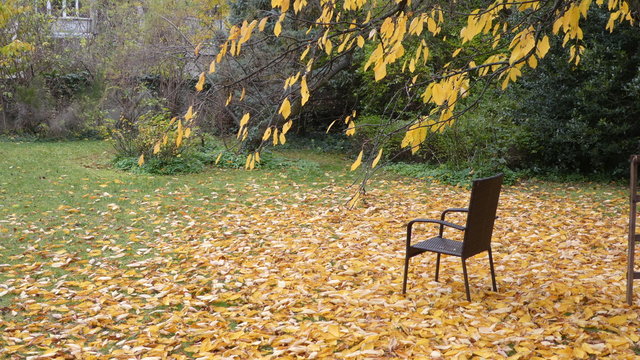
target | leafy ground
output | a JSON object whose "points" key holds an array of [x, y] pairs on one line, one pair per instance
{"points": [[97, 263]]}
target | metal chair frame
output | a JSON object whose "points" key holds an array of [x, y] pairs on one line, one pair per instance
{"points": [[481, 215]]}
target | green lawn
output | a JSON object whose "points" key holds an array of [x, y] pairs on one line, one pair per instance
{"points": [[67, 196], [98, 263]]}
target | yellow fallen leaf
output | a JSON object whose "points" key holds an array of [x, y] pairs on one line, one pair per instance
{"points": [[589, 349], [334, 330], [617, 320], [617, 341], [579, 353]]}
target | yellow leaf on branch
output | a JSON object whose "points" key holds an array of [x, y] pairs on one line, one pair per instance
{"points": [[285, 108], [245, 120], [189, 115], [543, 47], [330, 125], [262, 23], [267, 134], [277, 29], [380, 71], [377, 159], [304, 53], [250, 163], [200, 84], [351, 128], [286, 126], [179, 134], [304, 91], [358, 161]]}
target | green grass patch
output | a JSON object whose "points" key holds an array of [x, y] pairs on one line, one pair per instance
{"points": [[65, 203]]}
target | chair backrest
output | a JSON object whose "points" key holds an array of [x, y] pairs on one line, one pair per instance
{"points": [[482, 214]]}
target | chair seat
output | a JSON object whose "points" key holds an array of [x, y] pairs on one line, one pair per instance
{"points": [[440, 245]]}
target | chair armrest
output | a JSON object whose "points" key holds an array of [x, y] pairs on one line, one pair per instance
{"points": [[433, 221], [444, 213], [442, 224]]}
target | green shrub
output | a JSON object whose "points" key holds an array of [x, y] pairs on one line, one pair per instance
{"points": [[484, 138], [169, 166], [209, 151], [30, 108], [453, 176], [382, 132], [583, 119], [321, 142]]}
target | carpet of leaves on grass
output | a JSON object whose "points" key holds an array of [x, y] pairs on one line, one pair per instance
{"points": [[307, 278]]}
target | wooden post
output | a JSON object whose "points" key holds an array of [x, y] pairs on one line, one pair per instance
{"points": [[92, 16], [633, 202]]}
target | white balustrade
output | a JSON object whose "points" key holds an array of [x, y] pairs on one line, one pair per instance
{"points": [[71, 18]]}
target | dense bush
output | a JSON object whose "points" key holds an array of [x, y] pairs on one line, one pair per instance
{"points": [[583, 119], [450, 175], [210, 151], [374, 129], [482, 139], [165, 144], [171, 166]]}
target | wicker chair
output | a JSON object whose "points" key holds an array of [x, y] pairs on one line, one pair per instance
{"points": [[481, 215]]}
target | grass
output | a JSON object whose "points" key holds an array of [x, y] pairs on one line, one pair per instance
{"points": [[67, 196], [69, 189], [273, 256]]}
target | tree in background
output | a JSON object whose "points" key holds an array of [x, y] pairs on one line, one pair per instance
{"points": [[583, 119], [14, 51], [494, 43], [140, 58], [12, 48]]}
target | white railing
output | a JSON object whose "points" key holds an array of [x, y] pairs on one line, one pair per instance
{"points": [[71, 18], [63, 8]]}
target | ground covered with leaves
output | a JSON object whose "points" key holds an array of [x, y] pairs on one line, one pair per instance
{"points": [[97, 263]]}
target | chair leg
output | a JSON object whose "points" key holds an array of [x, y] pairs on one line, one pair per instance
{"points": [[437, 266], [493, 273], [466, 279], [406, 270]]}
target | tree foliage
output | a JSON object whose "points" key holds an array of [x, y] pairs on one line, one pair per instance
{"points": [[477, 44], [12, 49], [583, 119]]}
